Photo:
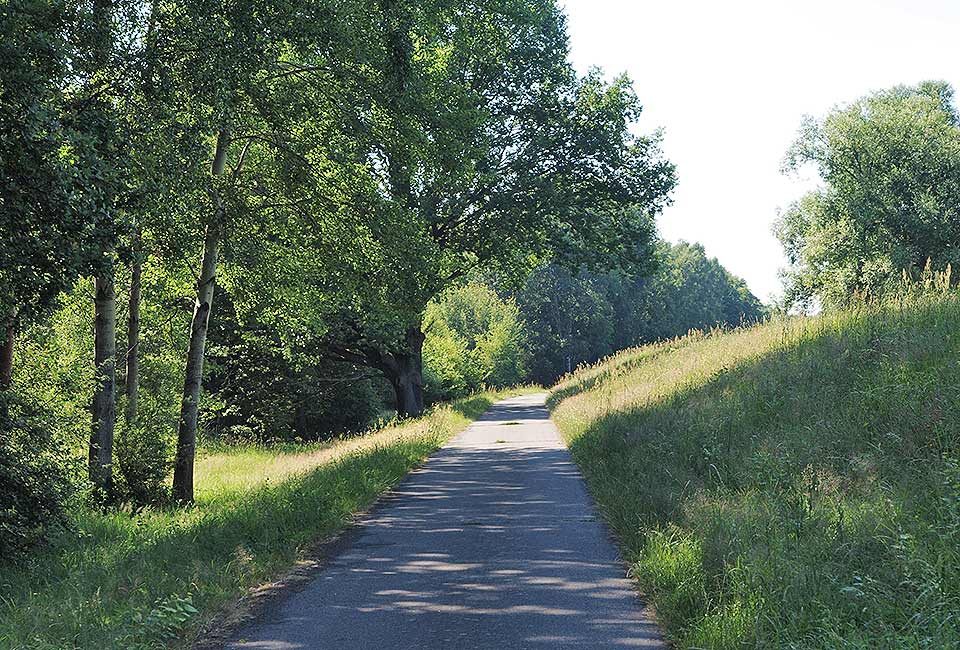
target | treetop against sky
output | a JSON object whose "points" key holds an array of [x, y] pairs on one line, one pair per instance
{"points": [[730, 83]]}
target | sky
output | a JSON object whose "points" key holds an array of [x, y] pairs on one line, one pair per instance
{"points": [[730, 81]]}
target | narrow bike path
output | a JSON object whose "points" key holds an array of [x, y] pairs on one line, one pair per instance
{"points": [[493, 543]]}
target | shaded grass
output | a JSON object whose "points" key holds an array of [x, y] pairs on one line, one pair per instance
{"points": [[792, 485], [121, 581]]}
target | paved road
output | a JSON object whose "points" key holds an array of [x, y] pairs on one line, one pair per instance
{"points": [[492, 544]]}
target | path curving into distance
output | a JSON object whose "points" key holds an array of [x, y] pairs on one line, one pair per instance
{"points": [[493, 543]]}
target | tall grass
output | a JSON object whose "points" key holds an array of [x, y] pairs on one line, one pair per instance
{"points": [[122, 581], [792, 485]]}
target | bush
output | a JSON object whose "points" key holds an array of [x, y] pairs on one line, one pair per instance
{"points": [[143, 463], [33, 481], [334, 408]]}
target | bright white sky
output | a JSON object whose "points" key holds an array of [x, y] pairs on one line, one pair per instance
{"points": [[729, 81]]}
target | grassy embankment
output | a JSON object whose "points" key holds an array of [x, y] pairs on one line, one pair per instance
{"points": [[121, 581], [792, 485]]}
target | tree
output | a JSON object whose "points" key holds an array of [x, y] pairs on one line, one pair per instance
{"points": [[95, 115], [473, 338], [237, 65], [569, 318], [890, 163], [115, 108], [687, 291], [55, 229], [488, 153], [52, 233], [53, 172]]}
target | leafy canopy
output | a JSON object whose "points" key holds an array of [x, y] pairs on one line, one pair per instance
{"points": [[486, 151], [890, 163], [54, 212]]}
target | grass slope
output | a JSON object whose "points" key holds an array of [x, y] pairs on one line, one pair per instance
{"points": [[792, 485], [121, 581]]}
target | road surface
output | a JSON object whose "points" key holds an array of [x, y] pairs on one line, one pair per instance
{"points": [[493, 543]]}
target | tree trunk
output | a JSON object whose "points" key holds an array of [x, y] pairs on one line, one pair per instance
{"points": [[405, 372], [187, 431], [103, 402], [300, 423], [6, 352], [103, 405], [6, 363], [132, 376]]}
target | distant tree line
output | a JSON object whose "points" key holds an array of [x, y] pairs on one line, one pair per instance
{"points": [[577, 318]]}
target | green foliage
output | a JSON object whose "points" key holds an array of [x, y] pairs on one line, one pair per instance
{"points": [[163, 622], [53, 358], [53, 365], [688, 291], [569, 320], [474, 339], [890, 163], [525, 162], [261, 387], [143, 463], [374, 156], [792, 485], [34, 485], [52, 219]]}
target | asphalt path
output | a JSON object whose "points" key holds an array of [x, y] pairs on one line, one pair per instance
{"points": [[493, 543]]}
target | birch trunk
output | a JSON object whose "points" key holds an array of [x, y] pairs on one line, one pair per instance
{"points": [[189, 408], [103, 403]]}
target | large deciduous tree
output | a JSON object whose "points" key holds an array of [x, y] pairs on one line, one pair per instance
{"points": [[890, 163], [487, 151]]}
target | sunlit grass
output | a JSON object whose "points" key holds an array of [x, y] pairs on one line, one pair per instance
{"points": [[223, 471], [122, 581], [792, 485]]}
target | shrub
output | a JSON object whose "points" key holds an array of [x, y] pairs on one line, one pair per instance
{"points": [[143, 463], [259, 387], [33, 480]]}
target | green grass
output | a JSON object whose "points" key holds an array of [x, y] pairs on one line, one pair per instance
{"points": [[121, 581], [792, 485]]}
